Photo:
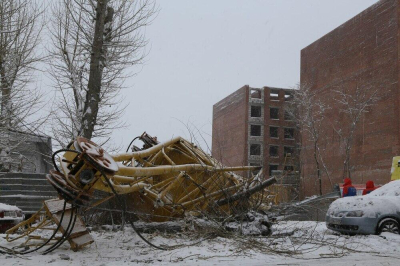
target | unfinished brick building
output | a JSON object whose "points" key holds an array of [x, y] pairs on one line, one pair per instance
{"points": [[362, 54], [250, 128]]}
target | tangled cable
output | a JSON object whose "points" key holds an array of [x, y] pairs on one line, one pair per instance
{"points": [[73, 216]]}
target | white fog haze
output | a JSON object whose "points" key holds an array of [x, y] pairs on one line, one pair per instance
{"points": [[201, 51]]}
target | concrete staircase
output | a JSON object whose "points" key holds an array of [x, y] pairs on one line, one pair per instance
{"points": [[27, 191]]}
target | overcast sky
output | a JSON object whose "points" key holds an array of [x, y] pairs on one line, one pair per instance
{"points": [[201, 51]]}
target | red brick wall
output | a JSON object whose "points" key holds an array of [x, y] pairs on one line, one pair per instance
{"points": [[229, 135], [362, 53]]}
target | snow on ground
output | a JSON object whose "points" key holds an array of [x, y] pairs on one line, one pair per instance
{"points": [[6, 207], [292, 243]]}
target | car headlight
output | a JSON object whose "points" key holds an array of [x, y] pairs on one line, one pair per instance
{"points": [[355, 214]]}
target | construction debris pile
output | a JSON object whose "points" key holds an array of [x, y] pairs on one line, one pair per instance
{"points": [[163, 180]]}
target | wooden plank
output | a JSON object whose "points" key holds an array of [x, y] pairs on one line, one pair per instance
{"points": [[80, 241], [55, 205], [80, 236], [78, 227]]}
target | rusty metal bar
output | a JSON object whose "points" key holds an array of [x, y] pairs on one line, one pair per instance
{"points": [[247, 193], [210, 196]]}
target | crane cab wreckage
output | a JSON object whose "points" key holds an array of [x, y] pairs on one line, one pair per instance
{"points": [[171, 179]]}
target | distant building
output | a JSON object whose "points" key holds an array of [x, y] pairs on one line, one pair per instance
{"points": [[24, 152], [361, 53], [250, 127], [25, 159]]}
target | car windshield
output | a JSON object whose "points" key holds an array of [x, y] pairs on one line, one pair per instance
{"points": [[390, 189]]}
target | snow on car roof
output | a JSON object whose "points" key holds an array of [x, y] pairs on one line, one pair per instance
{"points": [[6, 207], [390, 189]]}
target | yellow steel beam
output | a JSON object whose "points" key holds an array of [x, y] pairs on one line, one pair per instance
{"points": [[144, 153], [168, 169]]}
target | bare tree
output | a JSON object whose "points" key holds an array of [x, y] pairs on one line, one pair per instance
{"points": [[354, 104], [94, 44], [20, 27], [308, 112]]}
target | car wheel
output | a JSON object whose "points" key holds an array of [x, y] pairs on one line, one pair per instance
{"points": [[389, 225]]}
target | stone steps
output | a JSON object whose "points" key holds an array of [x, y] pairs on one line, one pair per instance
{"points": [[22, 175], [23, 181], [28, 205], [27, 191], [19, 187]]}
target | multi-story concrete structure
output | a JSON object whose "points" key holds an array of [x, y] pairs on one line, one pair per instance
{"points": [[250, 128], [361, 54]]}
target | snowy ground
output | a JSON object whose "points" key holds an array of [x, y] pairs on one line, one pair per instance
{"points": [[292, 243]]}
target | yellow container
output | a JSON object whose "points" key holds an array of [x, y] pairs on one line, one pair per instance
{"points": [[395, 172]]}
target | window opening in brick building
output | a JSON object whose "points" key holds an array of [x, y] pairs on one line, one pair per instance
{"points": [[255, 93], [255, 130], [288, 151], [288, 133], [274, 95], [274, 113], [272, 167], [288, 96], [288, 168], [255, 111], [274, 151], [255, 149], [288, 116], [273, 132]]}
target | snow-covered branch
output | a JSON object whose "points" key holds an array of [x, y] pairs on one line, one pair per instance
{"points": [[88, 98]]}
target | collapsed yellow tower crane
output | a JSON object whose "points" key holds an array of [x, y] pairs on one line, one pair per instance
{"points": [[171, 178]]}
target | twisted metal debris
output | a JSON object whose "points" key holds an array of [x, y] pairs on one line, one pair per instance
{"points": [[171, 178]]}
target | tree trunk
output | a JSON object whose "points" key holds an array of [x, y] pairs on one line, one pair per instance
{"points": [[318, 168], [348, 146], [5, 98], [91, 107]]}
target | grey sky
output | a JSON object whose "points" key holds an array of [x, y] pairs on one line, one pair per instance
{"points": [[201, 51]]}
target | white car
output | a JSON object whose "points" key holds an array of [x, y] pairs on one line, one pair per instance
{"points": [[377, 212], [9, 216]]}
